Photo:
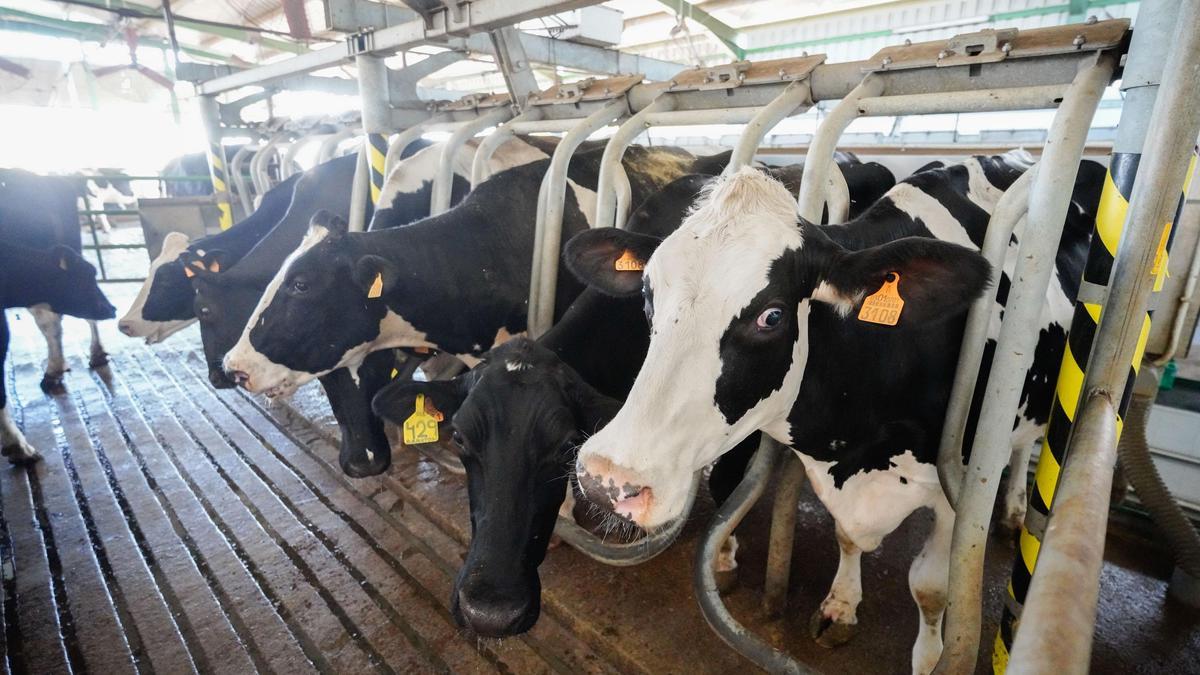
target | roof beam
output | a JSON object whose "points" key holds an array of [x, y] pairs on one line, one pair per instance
{"points": [[721, 30], [541, 49]]}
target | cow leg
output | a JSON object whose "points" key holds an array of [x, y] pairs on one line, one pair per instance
{"points": [[12, 442], [927, 580], [50, 323], [1016, 493], [98, 357], [835, 622]]}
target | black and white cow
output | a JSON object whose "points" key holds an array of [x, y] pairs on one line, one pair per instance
{"points": [[754, 327], [457, 282], [40, 212], [519, 416], [56, 280]]}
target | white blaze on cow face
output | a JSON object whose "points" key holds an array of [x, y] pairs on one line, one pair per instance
{"points": [[132, 324], [701, 278]]}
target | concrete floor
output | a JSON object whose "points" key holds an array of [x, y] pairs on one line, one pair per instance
{"points": [[172, 527]]}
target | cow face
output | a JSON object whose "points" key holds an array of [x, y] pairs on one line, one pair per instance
{"points": [[222, 302], [517, 419], [133, 324], [73, 289], [170, 295], [321, 312], [729, 296]]}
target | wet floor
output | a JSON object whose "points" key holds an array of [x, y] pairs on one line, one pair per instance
{"points": [[172, 527]]}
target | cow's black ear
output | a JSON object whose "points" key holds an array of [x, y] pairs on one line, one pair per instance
{"points": [[936, 280], [397, 401], [592, 409], [376, 276], [215, 261], [334, 224], [610, 260]]}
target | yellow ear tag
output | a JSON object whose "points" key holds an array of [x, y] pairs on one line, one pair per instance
{"points": [[62, 263], [376, 288], [420, 427], [187, 272], [394, 373], [883, 306], [628, 263]]}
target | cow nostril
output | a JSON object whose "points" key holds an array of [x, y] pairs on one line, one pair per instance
{"points": [[239, 377], [125, 328]]}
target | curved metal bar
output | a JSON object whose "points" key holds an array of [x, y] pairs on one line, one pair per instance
{"points": [[480, 169], [1049, 199], [443, 181], [360, 190], [289, 157], [824, 142], [629, 553], [796, 98], [402, 141], [837, 194], [330, 144], [244, 191], [1011, 209], [548, 233], [258, 165], [704, 578], [610, 164]]}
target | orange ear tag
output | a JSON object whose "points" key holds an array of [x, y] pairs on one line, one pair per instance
{"points": [[376, 289], [628, 263], [420, 427], [187, 272], [884, 305], [214, 267]]}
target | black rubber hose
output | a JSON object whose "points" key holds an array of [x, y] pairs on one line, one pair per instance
{"points": [[1134, 454]]}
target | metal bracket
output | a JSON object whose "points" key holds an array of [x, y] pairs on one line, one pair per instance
{"points": [[726, 76], [360, 43], [473, 102], [589, 89], [990, 46]]}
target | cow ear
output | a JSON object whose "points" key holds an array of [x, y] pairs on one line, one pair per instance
{"points": [[592, 409], [610, 260], [396, 402], [66, 258], [936, 280], [174, 243], [377, 276], [215, 261], [335, 225]]}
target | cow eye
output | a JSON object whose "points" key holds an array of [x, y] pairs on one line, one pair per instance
{"points": [[769, 319], [457, 438], [299, 287]]}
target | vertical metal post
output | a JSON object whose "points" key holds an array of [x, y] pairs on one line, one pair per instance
{"points": [[211, 117], [514, 65], [783, 534], [360, 192], [239, 181], [1049, 200], [403, 140], [1155, 42], [443, 181], [376, 117], [795, 99], [547, 238]]}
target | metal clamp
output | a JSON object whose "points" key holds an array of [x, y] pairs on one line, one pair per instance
{"points": [[725, 76], [589, 89]]}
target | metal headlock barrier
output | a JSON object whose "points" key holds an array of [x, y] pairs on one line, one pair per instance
{"points": [[1064, 68]]}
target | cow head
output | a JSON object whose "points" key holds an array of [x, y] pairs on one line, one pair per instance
{"points": [[70, 285], [517, 418], [170, 294], [134, 324], [728, 296], [222, 301], [322, 311]]}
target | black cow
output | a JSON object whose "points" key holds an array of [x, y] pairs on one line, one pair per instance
{"points": [[41, 212], [520, 414], [757, 324], [60, 281]]}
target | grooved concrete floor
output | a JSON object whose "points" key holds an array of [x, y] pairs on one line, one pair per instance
{"points": [[175, 528]]}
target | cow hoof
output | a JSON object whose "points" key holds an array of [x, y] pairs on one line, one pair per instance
{"points": [[99, 359], [726, 581], [53, 384], [20, 453], [829, 633]]}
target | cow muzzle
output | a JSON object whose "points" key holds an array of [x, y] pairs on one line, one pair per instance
{"points": [[615, 488], [495, 613]]}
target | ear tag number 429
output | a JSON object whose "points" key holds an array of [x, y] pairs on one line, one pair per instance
{"points": [[883, 306], [421, 426]]}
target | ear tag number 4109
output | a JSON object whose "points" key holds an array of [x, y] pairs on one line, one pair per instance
{"points": [[883, 306], [421, 426]]}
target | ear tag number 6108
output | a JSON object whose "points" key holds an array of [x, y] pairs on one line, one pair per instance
{"points": [[420, 427]]}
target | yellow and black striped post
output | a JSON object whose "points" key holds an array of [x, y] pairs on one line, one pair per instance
{"points": [[220, 183], [1110, 220], [377, 147]]}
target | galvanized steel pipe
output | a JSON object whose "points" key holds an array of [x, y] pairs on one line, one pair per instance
{"points": [[360, 190], [795, 99], [239, 181], [443, 181], [1009, 211], [611, 170], [330, 144], [1058, 620], [820, 150], [982, 100], [547, 238], [1049, 200], [401, 142], [480, 168], [783, 534]]}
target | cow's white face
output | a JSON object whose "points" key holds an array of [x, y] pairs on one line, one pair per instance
{"points": [[723, 299], [132, 324]]}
